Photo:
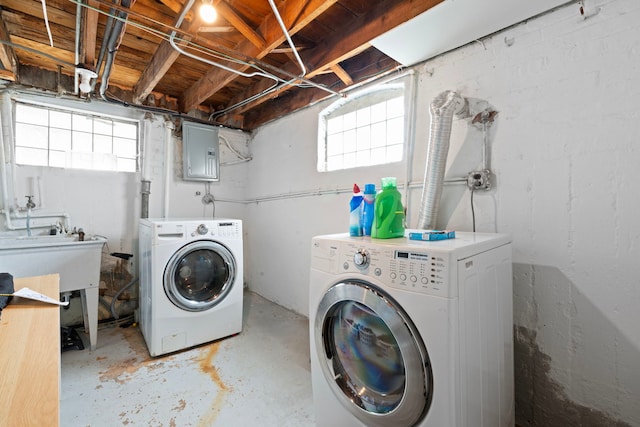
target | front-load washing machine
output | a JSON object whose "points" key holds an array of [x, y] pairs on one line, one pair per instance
{"points": [[412, 333], [191, 281]]}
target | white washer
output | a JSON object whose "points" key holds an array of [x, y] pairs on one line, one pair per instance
{"points": [[191, 280], [411, 333]]}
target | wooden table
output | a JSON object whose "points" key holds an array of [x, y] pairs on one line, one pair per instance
{"points": [[30, 357]]}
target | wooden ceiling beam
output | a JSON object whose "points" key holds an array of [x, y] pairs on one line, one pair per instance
{"points": [[296, 15], [330, 52], [239, 24], [7, 54], [161, 61], [174, 5], [34, 8], [342, 74], [8, 75], [32, 29], [286, 102], [57, 56], [384, 17], [89, 34], [293, 100], [288, 49]]}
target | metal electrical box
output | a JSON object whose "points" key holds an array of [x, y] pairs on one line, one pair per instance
{"points": [[201, 161]]}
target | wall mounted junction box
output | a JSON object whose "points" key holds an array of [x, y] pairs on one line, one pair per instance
{"points": [[479, 180]]}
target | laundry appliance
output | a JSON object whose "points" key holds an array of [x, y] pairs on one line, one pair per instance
{"points": [[191, 281], [412, 333]]}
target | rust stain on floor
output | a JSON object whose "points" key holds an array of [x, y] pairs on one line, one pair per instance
{"points": [[181, 405], [121, 371], [136, 342], [206, 365], [116, 371], [131, 365]]}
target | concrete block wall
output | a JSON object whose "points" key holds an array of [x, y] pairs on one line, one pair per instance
{"points": [[564, 150]]}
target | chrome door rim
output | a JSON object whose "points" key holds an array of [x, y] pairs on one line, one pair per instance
{"points": [[190, 305], [418, 390]]}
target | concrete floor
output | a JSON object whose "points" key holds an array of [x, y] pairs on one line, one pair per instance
{"points": [[260, 377]]}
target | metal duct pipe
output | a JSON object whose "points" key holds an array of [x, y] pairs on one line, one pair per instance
{"points": [[442, 109], [145, 191], [112, 46], [168, 148], [103, 47]]}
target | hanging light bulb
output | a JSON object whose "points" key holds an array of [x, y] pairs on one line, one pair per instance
{"points": [[85, 79], [208, 12]]}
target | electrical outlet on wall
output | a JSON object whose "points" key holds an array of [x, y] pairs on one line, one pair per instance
{"points": [[479, 180]]}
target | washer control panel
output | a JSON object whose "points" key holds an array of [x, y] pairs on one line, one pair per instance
{"points": [[361, 259], [420, 271], [219, 229], [416, 270]]}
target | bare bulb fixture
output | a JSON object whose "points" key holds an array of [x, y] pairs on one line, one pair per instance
{"points": [[85, 79], [208, 12]]}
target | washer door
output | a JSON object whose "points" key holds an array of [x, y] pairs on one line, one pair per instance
{"points": [[199, 275], [372, 355]]}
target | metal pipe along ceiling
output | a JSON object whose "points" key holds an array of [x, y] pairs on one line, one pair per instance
{"points": [[112, 46], [442, 109]]}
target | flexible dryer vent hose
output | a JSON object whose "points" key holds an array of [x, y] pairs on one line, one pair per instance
{"points": [[442, 109]]}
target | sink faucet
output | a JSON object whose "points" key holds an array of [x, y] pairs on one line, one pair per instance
{"points": [[30, 205]]}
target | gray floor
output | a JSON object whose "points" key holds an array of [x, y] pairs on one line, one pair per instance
{"points": [[260, 377]]}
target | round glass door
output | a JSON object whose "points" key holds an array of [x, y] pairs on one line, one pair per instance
{"points": [[199, 275], [372, 355]]}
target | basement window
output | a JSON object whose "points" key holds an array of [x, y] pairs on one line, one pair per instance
{"points": [[364, 129], [45, 136]]}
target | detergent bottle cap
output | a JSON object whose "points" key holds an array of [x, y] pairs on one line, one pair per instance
{"points": [[369, 189], [389, 182], [356, 189]]}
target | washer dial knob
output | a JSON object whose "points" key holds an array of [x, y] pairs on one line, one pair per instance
{"points": [[361, 258], [202, 229]]}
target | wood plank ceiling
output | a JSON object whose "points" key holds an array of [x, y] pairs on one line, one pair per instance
{"points": [[240, 71]]}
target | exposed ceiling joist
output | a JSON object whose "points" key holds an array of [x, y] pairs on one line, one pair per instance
{"points": [[332, 37], [296, 15], [7, 55], [335, 49], [239, 24], [342, 74], [89, 34], [160, 63]]}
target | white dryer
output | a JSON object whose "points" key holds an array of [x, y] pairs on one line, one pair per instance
{"points": [[191, 281], [411, 333]]}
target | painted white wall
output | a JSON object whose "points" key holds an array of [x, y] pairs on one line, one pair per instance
{"points": [[565, 154], [185, 197], [103, 203], [108, 203]]}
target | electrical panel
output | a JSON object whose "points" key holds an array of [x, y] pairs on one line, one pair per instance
{"points": [[201, 161]]}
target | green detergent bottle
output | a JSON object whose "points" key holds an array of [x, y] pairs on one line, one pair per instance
{"points": [[388, 213]]}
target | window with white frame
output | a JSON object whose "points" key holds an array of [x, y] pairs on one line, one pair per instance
{"points": [[46, 136], [364, 129]]}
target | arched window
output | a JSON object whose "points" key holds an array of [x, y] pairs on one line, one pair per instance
{"points": [[364, 129]]}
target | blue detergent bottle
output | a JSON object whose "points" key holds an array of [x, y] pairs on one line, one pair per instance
{"points": [[355, 212], [369, 199]]}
